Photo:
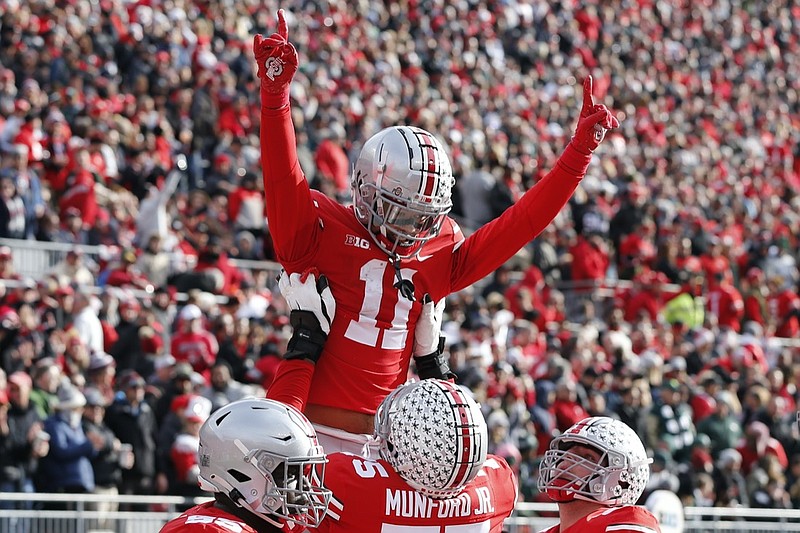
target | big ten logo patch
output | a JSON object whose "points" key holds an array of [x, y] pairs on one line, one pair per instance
{"points": [[358, 242]]}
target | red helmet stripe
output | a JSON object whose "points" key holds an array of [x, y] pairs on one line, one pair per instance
{"points": [[464, 443], [430, 164]]}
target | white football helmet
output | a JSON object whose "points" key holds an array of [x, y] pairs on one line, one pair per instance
{"points": [[402, 183], [265, 456], [433, 434], [617, 478]]}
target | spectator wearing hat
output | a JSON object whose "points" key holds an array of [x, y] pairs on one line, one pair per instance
{"points": [[28, 185], [758, 443], [100, 375], [107, 464], [184, 449], [126, 274], [22, 444], [193, 343], [221, 177], [729, 480], [67, 468], [180, 384], [161, 377], [169, 427], [73, 268], [132, 420], [670, 425], [127, 351], [46, 378]]}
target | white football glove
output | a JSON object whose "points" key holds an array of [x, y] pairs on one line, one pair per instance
{"points": [[308, 292], [429, 327]]}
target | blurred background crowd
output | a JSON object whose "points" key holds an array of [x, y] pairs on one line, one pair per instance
{"points": [[665, 294]]}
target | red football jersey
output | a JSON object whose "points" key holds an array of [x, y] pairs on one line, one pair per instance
{"points": [[625, 519], [205, 518], [369, 496], [368, 350]]}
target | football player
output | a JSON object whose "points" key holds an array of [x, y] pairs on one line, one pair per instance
{"points": [[262, 461], [394, 245], [596, 471], [433, 470]]}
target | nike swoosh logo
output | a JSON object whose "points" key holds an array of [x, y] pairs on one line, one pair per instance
{"points": [[422, 258]]}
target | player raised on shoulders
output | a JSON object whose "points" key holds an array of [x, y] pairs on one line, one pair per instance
{"points": [[596, 471], [394, 245]]}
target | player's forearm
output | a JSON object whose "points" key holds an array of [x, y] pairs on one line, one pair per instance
{"points": [[278, 146], [286, 191], [292, 383]]}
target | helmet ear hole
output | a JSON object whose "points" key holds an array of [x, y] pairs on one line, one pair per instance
{"points": [[239, 476]]}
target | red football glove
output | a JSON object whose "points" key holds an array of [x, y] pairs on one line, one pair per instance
{"points": [[593, 123], [277, 62]]}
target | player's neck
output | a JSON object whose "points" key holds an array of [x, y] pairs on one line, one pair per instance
{"points": [[571, 512]]}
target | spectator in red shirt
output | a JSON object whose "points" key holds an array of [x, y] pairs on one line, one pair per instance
{"points": [[566, 408], [713, 262], [637, 250], [783, 309], [590, 260], [759, 443], [648, 298], [193, 343], [214, 260], [754, 292], [332, 162], [126, 274], [725, 302]]}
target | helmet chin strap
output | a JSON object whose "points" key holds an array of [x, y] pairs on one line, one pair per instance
{"points": [[405, 286]]}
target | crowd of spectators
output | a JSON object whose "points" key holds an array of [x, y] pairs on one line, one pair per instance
{"points": [[665, 294]]}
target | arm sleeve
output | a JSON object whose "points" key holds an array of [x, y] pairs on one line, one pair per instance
{"points": [[290, 209], [292, 383], [498, 240]]}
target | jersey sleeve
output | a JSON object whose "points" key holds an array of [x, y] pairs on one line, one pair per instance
{"points": [[290, 209], [495, 242], [292, 382], [504, 485]]}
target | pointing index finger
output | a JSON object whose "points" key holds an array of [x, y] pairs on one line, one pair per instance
{"points": [[283, 27], [588, 100]]}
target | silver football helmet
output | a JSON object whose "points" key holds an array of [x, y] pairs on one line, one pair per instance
{"points": [[433, 434], [402, 184], [617, 478], [265, 456]]}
